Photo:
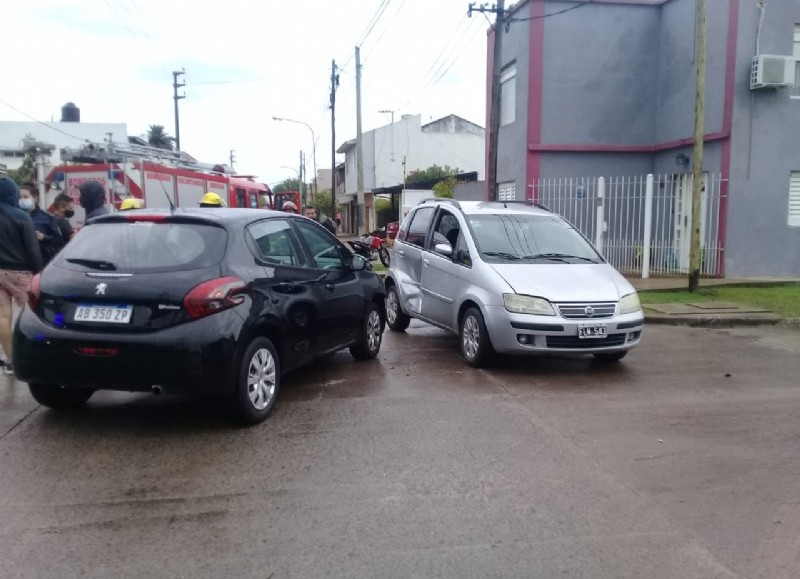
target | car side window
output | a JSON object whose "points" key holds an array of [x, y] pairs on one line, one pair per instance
{"points": [[325, 251], [276, 242], [418, 228], [446, 229]]}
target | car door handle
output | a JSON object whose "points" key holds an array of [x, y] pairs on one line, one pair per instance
{"points": [[426, 261], [401, 252], [329, 286]]}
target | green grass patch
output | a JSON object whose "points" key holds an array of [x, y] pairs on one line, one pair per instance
{"points": [[783, 300]]}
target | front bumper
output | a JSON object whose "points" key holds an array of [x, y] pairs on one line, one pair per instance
{"points": [[197, 357], [529, 334]]}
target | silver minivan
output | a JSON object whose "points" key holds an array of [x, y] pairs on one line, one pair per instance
{"points": [[511, 278]]}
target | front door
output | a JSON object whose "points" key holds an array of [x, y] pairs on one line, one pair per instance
{"points": [[440, 272], [408, 255]]}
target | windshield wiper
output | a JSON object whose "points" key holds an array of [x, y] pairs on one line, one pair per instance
{"points": [[558, 256], [502, 254], [93, 263]]}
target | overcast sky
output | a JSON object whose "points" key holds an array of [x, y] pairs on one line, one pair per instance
{"points": [[245, 61]]}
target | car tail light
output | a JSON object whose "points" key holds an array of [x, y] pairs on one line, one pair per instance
{"points": [[34, 291], [214, 295], [147, 218], [101, 352]]}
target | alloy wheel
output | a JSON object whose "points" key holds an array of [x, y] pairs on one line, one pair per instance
{"points": [[391, 307], [261, 379], [471, 337], [373, 330]]}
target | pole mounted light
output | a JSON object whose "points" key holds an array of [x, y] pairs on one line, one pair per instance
{"points": [[313, 147]]}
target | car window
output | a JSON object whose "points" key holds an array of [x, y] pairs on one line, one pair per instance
{"points": [[276, 242], [324, 249], [446, 229], [146, 246], [418, 228]]}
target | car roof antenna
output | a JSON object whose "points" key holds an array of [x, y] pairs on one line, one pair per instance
{"points": [[171, 204]]}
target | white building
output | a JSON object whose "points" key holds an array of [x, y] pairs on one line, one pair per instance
{"points": [[394, 150]]}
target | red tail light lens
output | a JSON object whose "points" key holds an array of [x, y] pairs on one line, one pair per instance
{"points": [[100, 352], [34, 291], [214, 295]]}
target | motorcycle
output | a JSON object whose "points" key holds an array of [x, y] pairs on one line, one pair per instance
{"points": [[371, 248]]}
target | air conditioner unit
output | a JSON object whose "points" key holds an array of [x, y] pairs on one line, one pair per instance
{"points": [[771, 71]]}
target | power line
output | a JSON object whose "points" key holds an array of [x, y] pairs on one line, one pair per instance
{"points": [[12, 107], [381, 9], [387, 27], [457, 53], [564, 11], [370, 25]]}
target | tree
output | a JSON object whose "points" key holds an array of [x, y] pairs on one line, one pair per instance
{"points": [[433, 173], [446, 188], [287, 185], [26, 172], [158, 137]]}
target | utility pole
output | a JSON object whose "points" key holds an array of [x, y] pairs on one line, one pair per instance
{"points": [[232, 158], [334, 85], [176, 97], [697, 168], [301, 178], [494, 110], [360, 209]]}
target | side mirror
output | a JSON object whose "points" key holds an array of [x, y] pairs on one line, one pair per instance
{"points": [[358, 262], [443, 249]]}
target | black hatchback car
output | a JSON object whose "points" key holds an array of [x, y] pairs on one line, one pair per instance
{"points": [[199, 301]]}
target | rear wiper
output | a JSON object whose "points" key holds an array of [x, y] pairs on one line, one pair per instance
{"points": [[93, 263], [502, 254], [558, 256]]}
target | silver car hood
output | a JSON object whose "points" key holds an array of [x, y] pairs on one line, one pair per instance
{"points": [[560, 282]]}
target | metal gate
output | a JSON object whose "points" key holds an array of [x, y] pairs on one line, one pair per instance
{"points": [[641, 224]]}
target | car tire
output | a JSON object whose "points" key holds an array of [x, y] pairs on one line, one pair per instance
{"points": [[610, 357], [58, 397], [257, 382], [476, 347], [383, 254], [396, 319], [369, 343]]}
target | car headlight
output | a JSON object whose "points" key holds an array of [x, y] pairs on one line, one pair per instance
{"points": [[521, 304], [629, 304]]}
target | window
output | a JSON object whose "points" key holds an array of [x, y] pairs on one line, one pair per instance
{"points": [[794, 199], [418, 229], [325, 250], [796, 55], [446, 229], [276, 243], [507, 191], [508, 93]]}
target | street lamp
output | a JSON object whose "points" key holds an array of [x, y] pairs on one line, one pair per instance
{"points": [[313, 148]]}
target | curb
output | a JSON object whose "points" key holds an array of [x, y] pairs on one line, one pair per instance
{"points": [[717, 322]]}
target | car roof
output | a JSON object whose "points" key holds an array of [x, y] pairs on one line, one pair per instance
{"points": [[490, 207], [217, 215]]}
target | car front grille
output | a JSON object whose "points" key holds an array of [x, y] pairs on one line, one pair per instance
{"points": [[578, 343], [587, 310]]}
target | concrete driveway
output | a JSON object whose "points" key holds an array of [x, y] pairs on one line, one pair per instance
{"points": [[681, 463]]}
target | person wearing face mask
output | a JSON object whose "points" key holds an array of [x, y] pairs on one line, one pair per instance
{"points": [[46, 226], [93, 199], [19, 259], [64, 210]]}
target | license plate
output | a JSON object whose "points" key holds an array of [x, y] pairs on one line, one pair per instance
{"points": [[106, 314], [590, 331]]}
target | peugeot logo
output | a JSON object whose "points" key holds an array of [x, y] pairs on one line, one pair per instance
{"points": [[100, 290], [588, 310]]}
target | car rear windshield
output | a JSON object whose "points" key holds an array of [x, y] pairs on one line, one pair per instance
{"points": [[526, 237], [145, 247]]}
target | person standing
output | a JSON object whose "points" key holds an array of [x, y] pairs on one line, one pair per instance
{"points": [[211, 199], [289, 207], [312, 212], [19, 260], [63, 211], [45, 225], [93, 199]]}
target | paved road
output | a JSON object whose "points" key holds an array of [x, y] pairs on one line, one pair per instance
{"points": [[679, 463]]}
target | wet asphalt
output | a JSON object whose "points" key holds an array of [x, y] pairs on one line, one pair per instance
{"points": [[681, 462]]}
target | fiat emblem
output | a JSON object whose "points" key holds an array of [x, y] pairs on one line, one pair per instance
{"points": [[589, 311], [100, 290]]}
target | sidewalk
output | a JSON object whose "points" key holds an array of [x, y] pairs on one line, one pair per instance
{"points": [[709, 313]]}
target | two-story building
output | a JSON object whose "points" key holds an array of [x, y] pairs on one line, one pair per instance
{"points": [[391, 152], [597, 95]]}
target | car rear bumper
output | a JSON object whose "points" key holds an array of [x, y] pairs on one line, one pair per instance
{"points": [[527, 334], [196, 360]]}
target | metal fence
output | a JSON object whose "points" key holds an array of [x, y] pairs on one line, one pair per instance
{"points": [[641, 224]]}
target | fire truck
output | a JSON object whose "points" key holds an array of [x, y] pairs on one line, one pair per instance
{"points": [[159, 177]]}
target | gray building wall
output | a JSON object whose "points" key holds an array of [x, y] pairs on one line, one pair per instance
{"points": [[760, 242], [623, 74]]}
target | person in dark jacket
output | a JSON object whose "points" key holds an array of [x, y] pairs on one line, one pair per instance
{"points": [[19, 259], [45, 225], [64, 210], [312, 212], [93, 199]]}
